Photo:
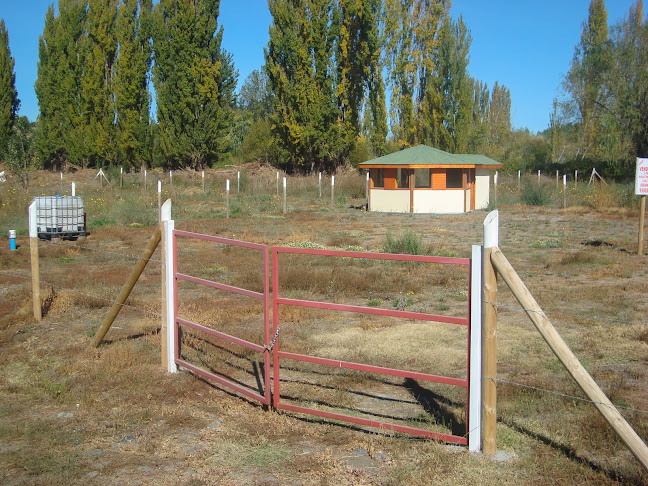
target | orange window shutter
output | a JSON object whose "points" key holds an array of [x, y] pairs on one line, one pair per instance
{"points": [[438, 179]]}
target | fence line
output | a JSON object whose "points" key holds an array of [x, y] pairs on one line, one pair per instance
{"points": [[153, 313], [564, 395], [104, 251], [564, 314]]}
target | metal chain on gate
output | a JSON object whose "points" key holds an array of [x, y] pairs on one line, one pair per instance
{"points": [[274, 340]]}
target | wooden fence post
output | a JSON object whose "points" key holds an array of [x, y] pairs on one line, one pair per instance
{"points": [[167, 329], [332, 192], [489, 342], [35, 269], [320, 185], [284, 194], [569, 361], [642, 212], [227, 197]]}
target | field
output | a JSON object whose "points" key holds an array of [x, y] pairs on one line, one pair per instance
{"points": [[70, 413]]}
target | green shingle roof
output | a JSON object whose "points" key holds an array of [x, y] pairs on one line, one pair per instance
{"points": [[424, 155]]}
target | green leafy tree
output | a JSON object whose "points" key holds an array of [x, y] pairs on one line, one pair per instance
{"points": [[9, 102], [299, 64], [255, 95], [61, 61], [132, 99], [20, 156], [376, 125], [500, 116], [194, 79], [97, 100], [584, 82]]}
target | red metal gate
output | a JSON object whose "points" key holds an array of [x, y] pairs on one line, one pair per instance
{"points": [[278, 354], [262, 296]]}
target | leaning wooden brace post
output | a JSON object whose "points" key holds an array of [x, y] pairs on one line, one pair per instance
{"points": [[569, 361], [489, 342], [128, 287], [35, 269]]}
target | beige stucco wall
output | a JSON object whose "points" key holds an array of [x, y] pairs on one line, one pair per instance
{"points": [[439, 201], [482, 188], [390, 201]]}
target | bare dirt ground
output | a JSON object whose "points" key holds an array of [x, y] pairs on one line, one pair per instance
{"points": [[73, 414]]}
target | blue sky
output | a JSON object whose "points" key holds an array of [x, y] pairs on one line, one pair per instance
{"points": [[524, 45]]}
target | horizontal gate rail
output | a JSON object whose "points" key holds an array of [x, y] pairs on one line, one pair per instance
{"points": [[374, 310], [263, 296], [277, 353], [375, 369]]}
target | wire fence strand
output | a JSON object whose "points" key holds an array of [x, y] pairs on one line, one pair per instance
{"points": [[564, 395], [153, 313], [101, 250]]}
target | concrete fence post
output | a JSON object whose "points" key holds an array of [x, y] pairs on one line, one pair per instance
{"points": [[167, 331]]}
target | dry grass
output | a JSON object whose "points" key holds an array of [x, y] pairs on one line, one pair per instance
{"points": [[73, 414]]}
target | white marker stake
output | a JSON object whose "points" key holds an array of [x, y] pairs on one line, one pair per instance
{"points": [[121, 177], [73, 189], [238, 182], [277, 183], [565, 190], [284, 194], [145, 179], [538, 175], [320, 185], [575, 177], [61, 181], [159, 200], [203, 180], [171, 177], [227, 198], [332, 191]]}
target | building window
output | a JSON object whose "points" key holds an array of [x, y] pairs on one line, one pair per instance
{"points": [[402, 176], [378, 177], [454, 178], [422, 178]]}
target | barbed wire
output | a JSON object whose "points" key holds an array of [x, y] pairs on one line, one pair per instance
{"points": [[156, 314], [563, 314], [104, 251], [564, 395]]}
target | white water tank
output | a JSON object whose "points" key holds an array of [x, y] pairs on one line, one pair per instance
{"points": [[60, 217]]}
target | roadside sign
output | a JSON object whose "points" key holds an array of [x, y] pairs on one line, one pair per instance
{"points": [[641, 179]]}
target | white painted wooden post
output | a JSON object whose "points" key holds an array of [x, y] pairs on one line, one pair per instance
{"points": [[159, 199], [73, 189], [277, 183], [227, 196], [171, 178], [238, 182], [575, 177], [538, 175], [332, 192], [203, 181], [320, 185], [168, 290], [519, 178], [284, 194], [62, 182], [557, 179], [475, 402], [121, 177], [145, 179], [367, 187], [495, 180]]}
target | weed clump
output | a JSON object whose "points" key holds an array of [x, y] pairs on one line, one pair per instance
{"points": [[408, 243], [535, 195]]}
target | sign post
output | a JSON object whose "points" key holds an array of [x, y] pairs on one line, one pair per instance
{"points": [[641, 189]]}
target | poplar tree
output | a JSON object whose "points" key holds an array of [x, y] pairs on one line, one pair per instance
{"points": [[97, 101], [585, 80], [132, 99], [61, 59], [194, 79], [500, 115], [299, 64], [9, 102]]}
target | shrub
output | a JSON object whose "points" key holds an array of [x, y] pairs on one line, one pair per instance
{"points": [[408, 243], [535, 195]]}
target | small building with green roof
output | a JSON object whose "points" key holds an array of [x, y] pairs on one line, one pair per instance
{"points": [[423, 179]]}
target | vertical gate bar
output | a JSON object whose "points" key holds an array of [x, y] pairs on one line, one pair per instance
{"points": [[266, 322], [275, 323], [176, 327], [474, 386]]}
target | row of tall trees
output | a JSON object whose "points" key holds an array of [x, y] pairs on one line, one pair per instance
{"points": [[95, 61], [603, 115], [325, 63]]}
